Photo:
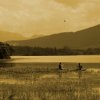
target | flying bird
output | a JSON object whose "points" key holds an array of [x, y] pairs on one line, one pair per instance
{"points": [[64, 20]]}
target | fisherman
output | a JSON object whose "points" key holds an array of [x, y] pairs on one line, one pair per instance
{"points": [[60, 66], [80, 66]]}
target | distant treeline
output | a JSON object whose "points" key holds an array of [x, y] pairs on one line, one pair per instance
{"points": [[37, 51]]}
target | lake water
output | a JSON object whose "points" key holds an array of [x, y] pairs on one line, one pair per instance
{"points": [[75, 59], [38, 78]]}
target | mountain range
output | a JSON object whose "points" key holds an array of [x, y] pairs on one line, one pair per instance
{"points": [[8, 36], [87, 38]]}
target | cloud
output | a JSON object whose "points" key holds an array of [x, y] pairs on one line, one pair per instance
{"points": [[30, 17], [72, 3]]}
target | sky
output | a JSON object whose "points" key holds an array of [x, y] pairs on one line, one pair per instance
{"points": [[36, 17]]}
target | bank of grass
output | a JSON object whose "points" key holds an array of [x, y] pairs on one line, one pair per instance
{"points": [[36, 87], [49, 90]]}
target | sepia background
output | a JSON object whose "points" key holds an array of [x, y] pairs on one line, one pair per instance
{"points": [[49, 50], [43, 17]]}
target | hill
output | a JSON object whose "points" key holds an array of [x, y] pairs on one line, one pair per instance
{"points": [[88, 38], [8, 36]]}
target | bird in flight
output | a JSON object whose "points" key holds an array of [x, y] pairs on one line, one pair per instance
{"points": [[64, 20]]}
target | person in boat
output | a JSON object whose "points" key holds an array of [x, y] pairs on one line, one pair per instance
{"points": [[80, 66], [60, 66]]}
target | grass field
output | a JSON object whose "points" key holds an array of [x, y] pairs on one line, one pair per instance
{"points": [[43, 81]]}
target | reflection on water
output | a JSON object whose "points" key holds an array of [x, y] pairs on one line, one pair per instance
{"points": [[61, 75], [48, 70], [79, 74], [36, 78]]}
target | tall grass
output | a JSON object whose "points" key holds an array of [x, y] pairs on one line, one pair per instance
{"points": [[48, 90], [46, 82]]}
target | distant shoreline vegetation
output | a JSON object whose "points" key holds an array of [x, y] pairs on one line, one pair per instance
{"points": [[39, 51]]}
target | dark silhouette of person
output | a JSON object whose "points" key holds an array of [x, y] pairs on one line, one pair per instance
{"points": [[60, 66], [80, 66]]}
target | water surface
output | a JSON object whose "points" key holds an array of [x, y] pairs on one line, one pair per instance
{"points": [[75, 59], [37, 78]]}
